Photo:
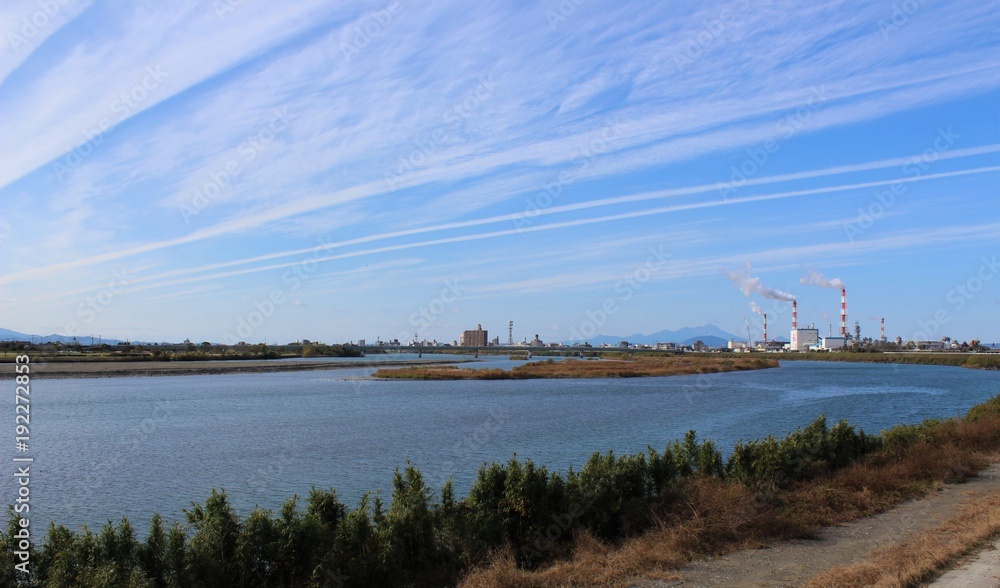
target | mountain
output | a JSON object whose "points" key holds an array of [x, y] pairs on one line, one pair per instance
{"points": [[709, 340], [709, 334], [8, 335]]}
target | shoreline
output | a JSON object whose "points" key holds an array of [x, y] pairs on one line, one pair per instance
{"points": [[581, 369], [140, 369]]}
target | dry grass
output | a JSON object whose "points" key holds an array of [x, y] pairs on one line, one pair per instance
{"points": [[441, 373], [989, 361], [574, 368], [921, 555], [713, 517]]}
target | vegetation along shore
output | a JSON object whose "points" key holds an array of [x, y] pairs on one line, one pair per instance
{"points": [[672, 365], [987, 361]]}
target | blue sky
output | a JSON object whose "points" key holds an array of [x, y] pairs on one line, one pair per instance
{"points": [[265, 171]]}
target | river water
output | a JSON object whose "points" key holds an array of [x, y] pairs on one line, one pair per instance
{"points": [[128, 447]]}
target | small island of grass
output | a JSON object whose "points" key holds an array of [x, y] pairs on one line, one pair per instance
{"points": [[575, 368]]}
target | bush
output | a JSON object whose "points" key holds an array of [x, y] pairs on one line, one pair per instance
{"points": [[513, 505]]}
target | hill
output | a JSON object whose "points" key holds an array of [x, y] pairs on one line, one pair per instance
{"points": [[709, 334], [8, 335]]}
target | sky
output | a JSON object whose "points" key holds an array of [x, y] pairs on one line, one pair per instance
{"points": [[237, 170]]}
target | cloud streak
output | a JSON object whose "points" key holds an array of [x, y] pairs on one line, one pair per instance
{"points": [[541, 138]]}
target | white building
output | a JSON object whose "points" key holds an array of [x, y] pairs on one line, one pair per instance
{"points": [[802, 339], [834, 342]]}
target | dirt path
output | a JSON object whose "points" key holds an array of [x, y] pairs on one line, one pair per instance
{"points": [[979, 571], [793, 563]]}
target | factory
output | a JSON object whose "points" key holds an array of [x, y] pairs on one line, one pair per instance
{"points": [[805, 339]]}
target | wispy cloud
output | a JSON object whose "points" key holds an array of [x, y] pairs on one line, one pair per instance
{"points": [[437, 132]]}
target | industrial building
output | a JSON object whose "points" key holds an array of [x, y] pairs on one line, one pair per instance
{"points": [[801, 339], [834, 342]]}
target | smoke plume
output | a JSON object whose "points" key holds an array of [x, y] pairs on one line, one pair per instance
{"points": [[756, 309], [817, 279], [750, 285]]}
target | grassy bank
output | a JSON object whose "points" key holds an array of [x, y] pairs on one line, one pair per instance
{"points": [[140, 353], [616, 518], [575, 368], [111, 369], [970, 360]]}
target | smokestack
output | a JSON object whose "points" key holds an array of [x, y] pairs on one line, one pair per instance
{"points": [[883, 330], [843, 312], [795, 315], [765, 329]]}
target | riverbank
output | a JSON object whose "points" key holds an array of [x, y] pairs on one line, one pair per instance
{"points": [[805, 527], [983, 361], [576, 368], [127, 369]]}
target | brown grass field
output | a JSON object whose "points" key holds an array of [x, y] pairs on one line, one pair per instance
{"points": [[576, 368]]}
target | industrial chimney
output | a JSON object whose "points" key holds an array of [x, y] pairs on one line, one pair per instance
{"points": [[765, 329], [843, 313], [795, 315], [883, 329]]}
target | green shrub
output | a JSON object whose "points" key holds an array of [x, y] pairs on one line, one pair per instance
{"points": [[513, 504], [990, 408], [902, 436]]}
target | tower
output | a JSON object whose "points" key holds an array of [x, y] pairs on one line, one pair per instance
{"points": [[843, 313], [883, 329], [510, 333], [765, 328]]}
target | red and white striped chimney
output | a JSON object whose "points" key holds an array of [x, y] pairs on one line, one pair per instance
{"points": [[765, 328], [883, 330], [795, 315], [843, 312]]}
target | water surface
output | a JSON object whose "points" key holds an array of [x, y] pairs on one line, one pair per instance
{"points": [[114, 447]]}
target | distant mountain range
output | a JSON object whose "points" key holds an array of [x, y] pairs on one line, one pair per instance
{"points": [[710, 335], [8, 335]]}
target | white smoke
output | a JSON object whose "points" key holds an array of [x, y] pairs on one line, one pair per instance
{"points": [[750, 285], [756, 309], [817, 279]]}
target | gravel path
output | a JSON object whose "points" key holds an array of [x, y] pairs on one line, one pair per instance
{"points": [[793, 563], [980, 571]]}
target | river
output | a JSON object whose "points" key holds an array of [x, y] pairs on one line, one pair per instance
{"points": [[128, 447]]}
